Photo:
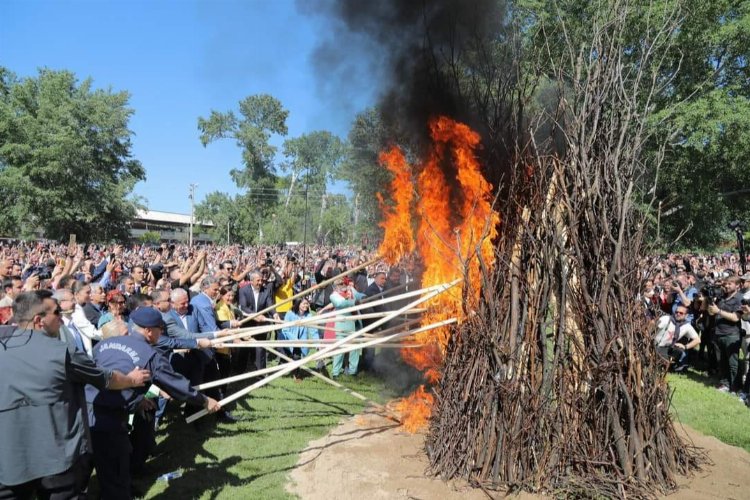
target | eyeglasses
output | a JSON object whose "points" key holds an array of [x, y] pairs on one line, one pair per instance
{"points": [[680, 312], [120, 302]]}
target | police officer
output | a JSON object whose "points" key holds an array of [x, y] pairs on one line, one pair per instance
{"points": [[45, 443], [115, 455]]}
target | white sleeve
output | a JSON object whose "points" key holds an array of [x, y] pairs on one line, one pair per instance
{"points": [[84, 325]]}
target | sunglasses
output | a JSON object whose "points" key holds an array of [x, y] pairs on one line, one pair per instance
{"points": [[57, 311]]}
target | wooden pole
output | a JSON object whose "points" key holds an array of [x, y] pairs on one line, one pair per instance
{"points": [[321, 354]]}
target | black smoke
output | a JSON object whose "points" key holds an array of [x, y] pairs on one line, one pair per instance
{"points": [[431, 57]]}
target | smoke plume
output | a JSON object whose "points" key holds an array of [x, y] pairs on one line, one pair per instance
{"points": [[433, 57]]}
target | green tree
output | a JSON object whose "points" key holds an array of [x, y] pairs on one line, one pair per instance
{"points": [[261, 116], [65, 157], [706, 111], [314, 157], [361, 169], [224, 212]]}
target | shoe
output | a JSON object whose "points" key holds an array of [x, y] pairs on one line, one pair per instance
{"points": [[226, 417], [680, 368], [742, 396], [723, 388]]}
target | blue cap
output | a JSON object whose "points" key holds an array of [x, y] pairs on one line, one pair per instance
{"points": [[147, 317]]}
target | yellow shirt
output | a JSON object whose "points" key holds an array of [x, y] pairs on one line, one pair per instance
{"points": [[282, 293], [224, 312]]}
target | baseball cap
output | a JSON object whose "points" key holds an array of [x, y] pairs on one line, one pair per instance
{"points": [[147, 317]]}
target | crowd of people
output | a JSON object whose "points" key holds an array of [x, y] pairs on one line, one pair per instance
{"points": [[97, 342], [101, 340], [701, 308]]}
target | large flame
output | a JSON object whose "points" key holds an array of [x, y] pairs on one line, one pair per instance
{"points": [[397, 240], [456, 221]]}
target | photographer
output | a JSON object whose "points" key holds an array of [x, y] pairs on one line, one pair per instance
{"points": [[727, 333], [682, 294], [675, 336]]}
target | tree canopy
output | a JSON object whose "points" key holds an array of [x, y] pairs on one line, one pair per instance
{"points": [[65, 157]]}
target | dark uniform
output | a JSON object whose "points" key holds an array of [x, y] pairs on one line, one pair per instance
{"points": [[116, 454], [45, 444]]}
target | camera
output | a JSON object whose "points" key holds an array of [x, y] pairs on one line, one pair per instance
{"points": [[712, 293], [745, 302], [41, 272]]}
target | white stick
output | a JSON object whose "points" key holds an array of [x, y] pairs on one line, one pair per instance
{"points": [[333, 314], [317, 346], [321, 354], [271, 369]]}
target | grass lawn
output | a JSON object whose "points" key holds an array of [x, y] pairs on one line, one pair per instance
{"points": [[698, 404], [252, 458]]}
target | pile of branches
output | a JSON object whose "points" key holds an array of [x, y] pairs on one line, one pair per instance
{"points": [[554, 383]]}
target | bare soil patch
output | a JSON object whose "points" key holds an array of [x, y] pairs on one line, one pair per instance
{"points": [[371, 457]]}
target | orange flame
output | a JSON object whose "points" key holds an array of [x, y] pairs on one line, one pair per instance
{"points": [[416, 409], [397, 240], [455, 223]]}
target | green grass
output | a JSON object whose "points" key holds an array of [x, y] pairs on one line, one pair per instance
{"points": [[698, 404], [253, 458]]}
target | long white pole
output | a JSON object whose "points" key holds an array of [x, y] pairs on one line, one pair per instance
{"points": [[333, 314], [321, 354]]}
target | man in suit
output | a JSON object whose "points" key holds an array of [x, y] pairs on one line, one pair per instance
{"points": [[254, 298], [205, 322], [46, 444], [94, 308]]}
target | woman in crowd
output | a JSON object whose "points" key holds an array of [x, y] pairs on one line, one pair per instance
{"points": [[344, 296], [225, 311], [300, 310], [116, 308]]}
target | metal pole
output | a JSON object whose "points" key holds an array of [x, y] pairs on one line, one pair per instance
{"points": [[192, 211], [304, 239]]}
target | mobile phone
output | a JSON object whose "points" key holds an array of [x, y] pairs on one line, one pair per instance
{"points": [[72, 239]]}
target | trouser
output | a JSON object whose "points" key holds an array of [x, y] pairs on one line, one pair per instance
{"points": [[728, 348], [70, 484], [241, 356], [142, 440], [112, 461], [338, 360]]}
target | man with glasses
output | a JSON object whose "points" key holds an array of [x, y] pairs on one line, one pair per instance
{"points": [[675, 336], [46, 444]]}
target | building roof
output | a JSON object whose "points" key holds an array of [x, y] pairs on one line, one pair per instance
{"points": [[168, 217]]}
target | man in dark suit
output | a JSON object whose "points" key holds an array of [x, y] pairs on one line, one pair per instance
{"points": [[253, 298], [182, 331]]}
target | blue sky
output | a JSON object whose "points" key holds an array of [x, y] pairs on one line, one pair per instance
{"points": [[180, 59]]}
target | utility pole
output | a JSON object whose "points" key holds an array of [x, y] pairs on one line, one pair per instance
{"points": [[192, 211]]}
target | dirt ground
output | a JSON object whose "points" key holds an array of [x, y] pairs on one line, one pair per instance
{"points": [[370, 457]]}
